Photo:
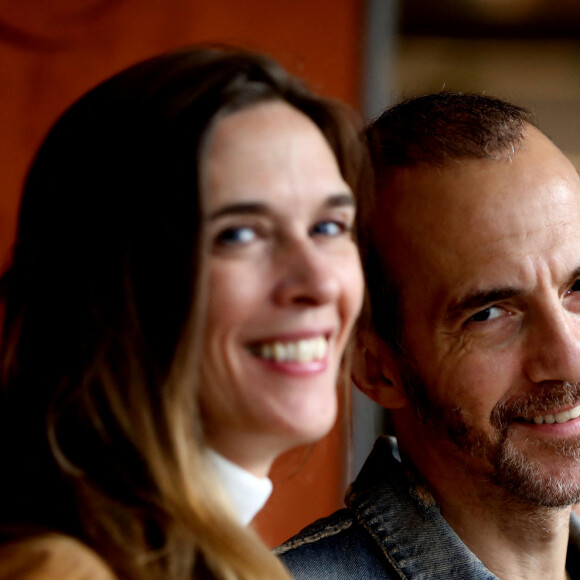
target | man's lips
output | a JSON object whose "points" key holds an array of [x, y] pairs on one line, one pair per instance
{"points": [[558, 417], [549, 403]]}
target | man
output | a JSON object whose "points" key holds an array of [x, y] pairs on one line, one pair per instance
{"points": [[473, 265]]}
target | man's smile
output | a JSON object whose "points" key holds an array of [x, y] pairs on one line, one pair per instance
{"points": [[561, 417]]}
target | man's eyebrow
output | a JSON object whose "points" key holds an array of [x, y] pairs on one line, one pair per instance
{"points": [[574, 276], [479, 300], [335, 200]]}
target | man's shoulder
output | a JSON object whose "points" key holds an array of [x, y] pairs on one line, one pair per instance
{"points": [[328, 527], [333, 548], [391, 529]]}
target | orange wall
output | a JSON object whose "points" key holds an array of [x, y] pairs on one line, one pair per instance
{"points": [[52, 52]]}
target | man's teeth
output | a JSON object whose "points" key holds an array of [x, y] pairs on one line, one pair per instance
{"points": [[303, 351], [558, 417]]}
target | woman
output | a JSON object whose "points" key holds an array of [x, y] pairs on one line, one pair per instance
{"points": [[182, 289]]}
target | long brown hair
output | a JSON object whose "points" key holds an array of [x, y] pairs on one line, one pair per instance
{"points": [[101, 436]]}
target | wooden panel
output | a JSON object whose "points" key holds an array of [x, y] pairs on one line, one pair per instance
{"points": [[52, 52]]}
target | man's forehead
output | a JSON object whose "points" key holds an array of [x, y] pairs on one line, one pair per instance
{"points": [[462, 222], [477, 190]]}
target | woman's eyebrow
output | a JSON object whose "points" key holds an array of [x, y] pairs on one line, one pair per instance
{"points": [[340, 199], [241, 208], [251, 207]]}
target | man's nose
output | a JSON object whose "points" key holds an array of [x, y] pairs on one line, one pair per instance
{"points": [[308, 276], [554, 347]]}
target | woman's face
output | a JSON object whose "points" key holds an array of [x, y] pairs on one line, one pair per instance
{"points": [[285, 283]]}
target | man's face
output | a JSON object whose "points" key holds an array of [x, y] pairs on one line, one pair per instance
{"points": [[486, 255]]}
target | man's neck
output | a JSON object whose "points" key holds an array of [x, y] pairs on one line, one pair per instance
{"points": [[512, 542], [514, 539]]}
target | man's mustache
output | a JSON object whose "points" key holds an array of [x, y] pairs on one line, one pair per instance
{"points": [[546, 398]]}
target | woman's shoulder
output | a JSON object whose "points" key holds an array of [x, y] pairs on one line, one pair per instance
{"points": [[51, 557]]}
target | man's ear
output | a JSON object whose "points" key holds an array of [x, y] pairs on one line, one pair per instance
{"points": [[375, 371]]}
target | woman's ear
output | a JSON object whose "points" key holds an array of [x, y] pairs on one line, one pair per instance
{"points": [[375, 371]]}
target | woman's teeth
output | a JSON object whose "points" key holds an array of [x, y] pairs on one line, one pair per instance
{"points": [[557, 418], [302, 351]]}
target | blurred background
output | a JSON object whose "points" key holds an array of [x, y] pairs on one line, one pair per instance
{"points": [[369, 53], [526, 51]]}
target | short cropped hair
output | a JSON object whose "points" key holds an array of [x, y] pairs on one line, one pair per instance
{"points": [[429, 130]]}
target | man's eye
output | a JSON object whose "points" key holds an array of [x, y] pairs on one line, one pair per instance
{"points": [[572, 298], [236, 235], [487, 314], [330, 228]]}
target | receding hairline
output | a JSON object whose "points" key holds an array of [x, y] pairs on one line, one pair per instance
{"points": [[444, 126], [433, 130]]}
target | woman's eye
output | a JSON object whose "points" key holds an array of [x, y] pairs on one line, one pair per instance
{"points": [[575, 287], [486, 315], [330, 228], [236, 235]]}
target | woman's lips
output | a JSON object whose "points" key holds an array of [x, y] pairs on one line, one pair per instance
{"points": [[304, 350]]}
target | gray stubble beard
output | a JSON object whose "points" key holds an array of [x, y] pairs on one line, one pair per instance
{"points": [[511, 470]]}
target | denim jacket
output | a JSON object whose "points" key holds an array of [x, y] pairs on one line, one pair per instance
{"points": [[391, 529]]}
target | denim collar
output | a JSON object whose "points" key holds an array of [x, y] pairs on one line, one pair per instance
{"points": [[404, 520]]}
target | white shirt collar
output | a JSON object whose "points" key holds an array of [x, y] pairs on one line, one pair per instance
{"points": [[248, 493]]}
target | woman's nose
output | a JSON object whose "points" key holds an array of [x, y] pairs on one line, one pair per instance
{"points": [[308, 276]]}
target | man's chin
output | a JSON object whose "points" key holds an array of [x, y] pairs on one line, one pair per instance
{"points": [[541, 477]]}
